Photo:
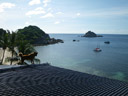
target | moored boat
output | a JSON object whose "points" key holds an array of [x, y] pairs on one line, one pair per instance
{"points": [[97, 50], [107, 42]]}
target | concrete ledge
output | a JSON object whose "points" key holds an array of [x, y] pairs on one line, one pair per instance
{"points": [[11, 68]]}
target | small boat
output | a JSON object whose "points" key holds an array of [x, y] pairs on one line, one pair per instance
{"points": [[107, 42], [97, 50]]}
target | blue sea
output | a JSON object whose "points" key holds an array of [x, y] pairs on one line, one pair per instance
{"points": [[111, 62]]}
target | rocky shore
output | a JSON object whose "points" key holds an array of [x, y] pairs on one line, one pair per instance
{"points": [[48, 42], [47, 80]]}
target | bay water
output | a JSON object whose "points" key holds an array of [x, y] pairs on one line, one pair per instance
{"points": [[111, 62]]}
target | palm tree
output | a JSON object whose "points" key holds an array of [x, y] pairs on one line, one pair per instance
{"points": [[26, 48], [4, 43], [12, 45]]}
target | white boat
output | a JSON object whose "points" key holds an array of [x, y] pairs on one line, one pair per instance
{"points": [[97, 50]]}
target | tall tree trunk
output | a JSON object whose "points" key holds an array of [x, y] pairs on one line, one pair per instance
{"points": [[12, 57], [3, 56]]}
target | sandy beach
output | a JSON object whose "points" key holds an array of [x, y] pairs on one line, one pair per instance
{"points": [[7, 54]]}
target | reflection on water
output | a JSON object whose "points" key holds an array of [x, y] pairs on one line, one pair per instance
{"points": [[79, 56]]}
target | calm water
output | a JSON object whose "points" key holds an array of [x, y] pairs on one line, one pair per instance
{"points": [[112, 62]]}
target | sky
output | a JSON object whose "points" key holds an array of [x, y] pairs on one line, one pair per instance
{"points": [[66, 16]]}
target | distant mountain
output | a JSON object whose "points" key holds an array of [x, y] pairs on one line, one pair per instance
{"points": [[91, 34]]}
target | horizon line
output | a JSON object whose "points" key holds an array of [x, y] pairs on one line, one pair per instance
{"points": [[96, 33]]}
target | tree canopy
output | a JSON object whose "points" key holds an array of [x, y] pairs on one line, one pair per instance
{"points": [[33, 33], [2, 31]]}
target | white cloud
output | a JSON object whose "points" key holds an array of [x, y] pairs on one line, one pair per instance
{"points": [[59, 13], [46, 2], [57, 22], [6, 5], [30, 23], [49, 9], [107, 13], [33, 2], [49, 15], [27, 23], [78, 14], [36, 11]]}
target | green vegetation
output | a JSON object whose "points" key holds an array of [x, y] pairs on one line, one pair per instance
{"points": [[12, 44], [2, 31], [23, 40], [34, 35], [15, 43], [4, 42]]}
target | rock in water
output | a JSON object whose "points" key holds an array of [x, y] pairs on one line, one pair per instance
{"points": [[91, 34]]}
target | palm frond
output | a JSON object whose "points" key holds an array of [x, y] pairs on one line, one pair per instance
{"points": [[37, 60], [8, 59]]}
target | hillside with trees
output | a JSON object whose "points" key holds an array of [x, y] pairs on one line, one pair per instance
{"points": [[34, 35]]}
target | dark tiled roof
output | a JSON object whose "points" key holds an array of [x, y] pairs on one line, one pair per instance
{"points": [[42, 80]]}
